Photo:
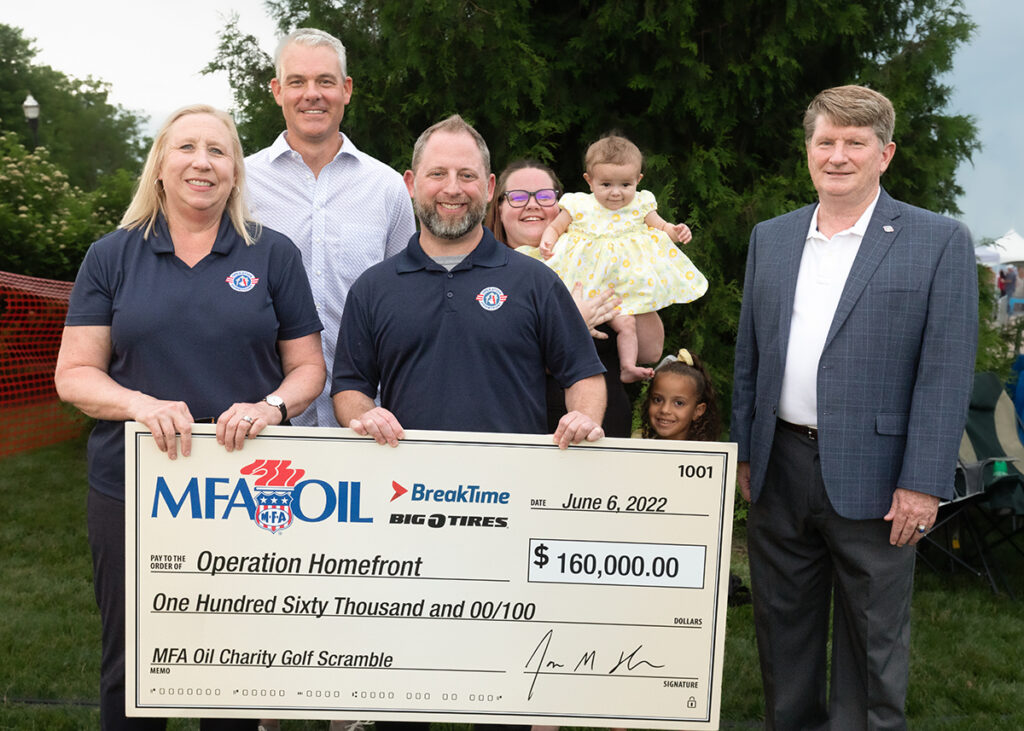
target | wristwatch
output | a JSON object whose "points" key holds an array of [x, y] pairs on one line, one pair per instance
{"points": [[277, 401]]}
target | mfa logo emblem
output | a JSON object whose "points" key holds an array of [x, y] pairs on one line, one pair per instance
{"points": [[242, 281], [491, 298], [273, 492]]}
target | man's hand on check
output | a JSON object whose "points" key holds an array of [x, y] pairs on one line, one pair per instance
{"points": [[575, 427], [380, 424]]}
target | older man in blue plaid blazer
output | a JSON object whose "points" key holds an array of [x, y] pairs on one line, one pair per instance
{"points": [[853, 370]]}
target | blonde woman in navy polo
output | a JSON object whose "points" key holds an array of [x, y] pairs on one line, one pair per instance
{"points": [[188, 312]]}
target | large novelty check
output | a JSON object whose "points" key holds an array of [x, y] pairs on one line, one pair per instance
{"points": [[458, 577]]}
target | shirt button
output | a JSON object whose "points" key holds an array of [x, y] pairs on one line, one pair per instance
{"points": [[450, 275], [450, 295]]}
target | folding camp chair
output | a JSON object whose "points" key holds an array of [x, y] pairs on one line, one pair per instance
{"points": [[989, 502]]}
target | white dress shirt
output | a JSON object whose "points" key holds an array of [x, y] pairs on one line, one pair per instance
{"points": [[824, 267], [356, 213]]}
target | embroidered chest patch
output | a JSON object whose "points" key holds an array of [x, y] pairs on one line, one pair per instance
{"points": [[242, 281], [491, 298]]}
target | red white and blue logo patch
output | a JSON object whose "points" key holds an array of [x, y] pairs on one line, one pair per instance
{"points": [[242, 281], [491, 298], [274, 484], [273, 510]]}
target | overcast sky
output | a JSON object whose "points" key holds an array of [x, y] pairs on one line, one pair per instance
{"points": [[152, 52], [987, 85]]}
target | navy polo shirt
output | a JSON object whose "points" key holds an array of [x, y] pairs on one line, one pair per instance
{"points": [[464, 350], [206, 335]]}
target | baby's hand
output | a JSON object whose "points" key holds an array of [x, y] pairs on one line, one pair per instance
{"points": [[547, 246], [680, 232]]}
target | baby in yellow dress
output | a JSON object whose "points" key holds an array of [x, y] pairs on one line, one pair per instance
{"points": [[615, 237]]}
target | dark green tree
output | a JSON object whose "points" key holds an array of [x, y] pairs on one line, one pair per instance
{"points": [[86, 135], [713, 91], [249, 71]]}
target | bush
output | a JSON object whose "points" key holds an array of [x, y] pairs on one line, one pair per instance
{"points": [[46, 224]]}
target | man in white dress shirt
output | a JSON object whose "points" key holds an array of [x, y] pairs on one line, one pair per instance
{"points": [[854, 365], [344, 209]]}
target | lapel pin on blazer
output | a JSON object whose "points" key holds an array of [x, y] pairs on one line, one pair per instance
{"points": [[888, 229]]}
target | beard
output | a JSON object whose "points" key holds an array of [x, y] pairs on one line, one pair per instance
{"points": [[449, 228]]}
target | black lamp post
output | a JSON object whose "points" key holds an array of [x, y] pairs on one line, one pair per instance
{"points": [[31, 107]]}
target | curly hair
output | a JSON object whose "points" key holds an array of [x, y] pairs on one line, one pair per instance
{"points": [[707, 427]]}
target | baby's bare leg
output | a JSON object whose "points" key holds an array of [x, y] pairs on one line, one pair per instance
{"points": [[629, 371], [650, 336]]}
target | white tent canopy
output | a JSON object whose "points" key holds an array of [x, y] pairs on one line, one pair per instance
{"points": [[1007, 249]]}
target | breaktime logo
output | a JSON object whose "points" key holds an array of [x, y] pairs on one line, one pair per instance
{"points": [[275, 500], [463, 494]]}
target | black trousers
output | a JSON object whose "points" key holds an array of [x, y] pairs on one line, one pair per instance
{"points": [[106, 539], [805, 557]]}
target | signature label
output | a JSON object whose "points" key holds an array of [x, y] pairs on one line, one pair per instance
{"points": [[457, 578]]}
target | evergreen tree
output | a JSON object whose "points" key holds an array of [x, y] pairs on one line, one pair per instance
{"points": [[713, 92]]}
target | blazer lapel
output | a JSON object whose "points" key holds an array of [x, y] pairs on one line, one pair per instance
{"points": [[881, 232]]}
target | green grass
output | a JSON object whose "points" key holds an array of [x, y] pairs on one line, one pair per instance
{"points": [[967, 668]]}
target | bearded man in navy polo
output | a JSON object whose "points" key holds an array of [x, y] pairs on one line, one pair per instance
{"points": [[458, 329]]}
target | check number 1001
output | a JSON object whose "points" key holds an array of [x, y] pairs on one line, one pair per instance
{"points": [[621, 564]]}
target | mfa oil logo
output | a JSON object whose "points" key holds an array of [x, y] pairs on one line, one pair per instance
{"points": [[274, 489], [463, 494], [269, 492]]}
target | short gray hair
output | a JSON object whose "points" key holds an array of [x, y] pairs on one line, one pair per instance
{"points": [[312, 38], [454, 124]]}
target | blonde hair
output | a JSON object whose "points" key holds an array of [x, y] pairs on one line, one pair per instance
{"points": [[148, 201], [613, 149], [852, 106]]}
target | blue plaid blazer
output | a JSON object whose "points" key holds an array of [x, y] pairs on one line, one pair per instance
{"points": [[895, 375]]}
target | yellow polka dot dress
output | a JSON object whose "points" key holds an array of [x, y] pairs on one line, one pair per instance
{"points": [[603, 248], [531, 251]]}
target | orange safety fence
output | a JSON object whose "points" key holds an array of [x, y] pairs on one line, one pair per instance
{"points": [[32, 315]]}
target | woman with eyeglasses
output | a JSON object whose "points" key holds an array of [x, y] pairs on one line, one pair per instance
{"points": [[525, 202]]}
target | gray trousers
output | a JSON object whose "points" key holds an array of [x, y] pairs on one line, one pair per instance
{"points": [[804, 558]]}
